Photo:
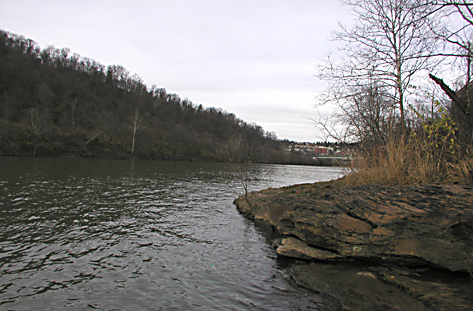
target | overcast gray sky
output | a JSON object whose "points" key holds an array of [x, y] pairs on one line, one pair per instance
{"points": [[254, 58]]}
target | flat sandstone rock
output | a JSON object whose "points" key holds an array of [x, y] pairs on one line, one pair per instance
{"points": [[427, 226]]}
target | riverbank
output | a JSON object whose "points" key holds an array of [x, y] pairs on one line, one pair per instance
{"points": [[374, 247], [19, 139]]}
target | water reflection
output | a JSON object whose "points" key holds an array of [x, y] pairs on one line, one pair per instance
{"points": [[138, 235]]}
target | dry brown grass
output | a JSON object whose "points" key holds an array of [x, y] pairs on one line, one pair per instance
{"points": [[413, 160]]}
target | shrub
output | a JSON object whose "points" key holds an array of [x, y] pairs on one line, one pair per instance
{"points": [[429, 154]]}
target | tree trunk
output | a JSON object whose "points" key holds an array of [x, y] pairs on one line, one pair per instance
{"points": [[135, 125]]}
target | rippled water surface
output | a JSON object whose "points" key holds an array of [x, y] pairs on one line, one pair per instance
{"points": [[136, 235]]}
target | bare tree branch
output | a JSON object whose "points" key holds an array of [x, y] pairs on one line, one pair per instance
{"points": [[385, 51], [453, 96]]}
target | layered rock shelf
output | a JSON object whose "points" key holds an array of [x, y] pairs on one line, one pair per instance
{"points": [[416, 239]]}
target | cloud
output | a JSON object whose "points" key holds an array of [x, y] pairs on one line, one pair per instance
{"points": [[242, 56]]}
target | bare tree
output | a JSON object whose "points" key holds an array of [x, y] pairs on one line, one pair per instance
{"points": [[463, 7], [456, 32], [386, 49], [135, 126]]}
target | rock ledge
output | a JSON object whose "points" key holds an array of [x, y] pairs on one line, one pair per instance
{"points": [[410, 227]]}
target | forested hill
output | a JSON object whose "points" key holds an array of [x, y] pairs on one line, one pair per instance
{"points": [[57, 103]]}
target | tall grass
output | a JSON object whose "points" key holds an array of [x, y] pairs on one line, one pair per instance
{"points": [[430, 154]]}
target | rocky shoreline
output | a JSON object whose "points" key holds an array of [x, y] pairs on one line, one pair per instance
{"points": [[374, 247]]}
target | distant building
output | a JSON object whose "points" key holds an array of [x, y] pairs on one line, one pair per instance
{"points": [[323, 151]]}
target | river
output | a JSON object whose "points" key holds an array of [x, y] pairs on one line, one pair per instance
{"points": [[140, 235]]}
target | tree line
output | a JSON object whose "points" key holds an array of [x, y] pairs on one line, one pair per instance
{"points": [[57, 103], [388, 92]]}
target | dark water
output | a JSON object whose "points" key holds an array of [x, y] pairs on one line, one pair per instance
{"points": [[134, 235]]}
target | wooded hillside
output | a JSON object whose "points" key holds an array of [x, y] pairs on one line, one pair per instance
{"points": [[57, 103]]}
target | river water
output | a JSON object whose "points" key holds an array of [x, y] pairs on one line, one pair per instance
{"points": [[80, 234]]}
